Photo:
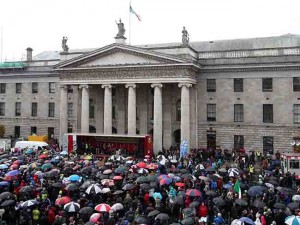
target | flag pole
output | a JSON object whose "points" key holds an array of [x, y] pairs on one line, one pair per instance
{"points": [[129, 23], [1, 45]]}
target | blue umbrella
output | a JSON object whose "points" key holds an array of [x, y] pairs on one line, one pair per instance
{"points": [[292, 220], [255, 191], [4, 183], [227, 186], [3, 166], [64, 153], [12, 173], [247, 220], [29, 151], [74, 177], [157, 195]]}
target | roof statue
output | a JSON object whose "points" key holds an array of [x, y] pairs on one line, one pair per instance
{"points": [[185, 37], [121, 29], [64, 45]]}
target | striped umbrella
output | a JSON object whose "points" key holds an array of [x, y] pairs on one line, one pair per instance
{"points": [[108, 182], [28, 203], [143, 171], [165, 181], [62, 201], [95, 217], [103, 207], [233, 172], [292, 220], [72, 207], [94, 188], [193, 193]]}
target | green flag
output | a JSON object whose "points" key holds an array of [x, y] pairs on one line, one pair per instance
{"points": [[237, 188]]}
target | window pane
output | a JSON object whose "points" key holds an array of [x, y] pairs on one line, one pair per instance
{"points": [[2, 108], [238, 142], [2, 88], [211, 112], [211, 85], [238, 113], [51, 87], [34, 109], [238, 85], [18, 109], [294, 164], [92, 109], [267, 84], [33, 130], [70, 109], [296, 83], [18, 87], [268, 113], [50, 132], [268, 144], [296, 113], [51, 109], [34, 87]]}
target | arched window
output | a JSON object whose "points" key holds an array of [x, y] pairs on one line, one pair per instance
{"points": [[178, 110]]}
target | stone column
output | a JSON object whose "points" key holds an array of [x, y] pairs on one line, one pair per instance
{"points": [[121, 108], [99, 109], [167, 116], [63, 114], [157, 126], [131, 109], [185, 112], [85, 108], [143, 108], [107, 109]]}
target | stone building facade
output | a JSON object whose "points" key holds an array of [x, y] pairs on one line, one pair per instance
{"points": [[229, 93]]}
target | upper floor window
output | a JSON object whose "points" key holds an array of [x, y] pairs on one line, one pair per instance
{"points": [[69, 89], [211, 112], [2, 108], [211, 85], [34, 108], [92, 109], [18, 88], [296, 113], [51, 87], [70, 109], [238, 85], [296, 83], [34, 87], [18, 109], [51, 110], [268, 113], [238, 113], [267, 84], [2, 88]]}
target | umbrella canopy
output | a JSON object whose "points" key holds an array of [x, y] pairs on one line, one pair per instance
{"points": [[187, 221], [74, 177], [259, 204], [227, 186], [142, 165], [3, 166], [128, 187], [255, 191], [293, 205], [46, 166], [13, 173], [118, 192], [4, 183], [204, 178], [57, 184], [95, 217], [233, 172], [143, 171], [269, 185], [194, 204], [142, 220], [165, 181], [108, 171], [72, 187], [193, 193], [108, 182], [247, 220], [93, 188], [292, 220], [86, 210], [153, 213], [142, 179], [219, 201], [28, 203], [117, 207], [162, 216], [152, 166], [26, 189], [72, 207], [103, 207], [5, 194], [210, 193], [62, 201], [8, 203], [157, 195], [145, 187], [296, 198], [241, 202], [279, 205], [43, 156]]}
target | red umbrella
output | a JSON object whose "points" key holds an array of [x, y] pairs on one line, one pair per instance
{"points": [[43, 156], [152, 166], [193, 193], [18, 162], [142, 165], [95, 217], [10, 178], [14, 167], [102, 208], [117, 178], [179, 184], [63, 200]]}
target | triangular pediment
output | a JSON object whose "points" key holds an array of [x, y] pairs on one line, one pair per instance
{"points": [[120, 55]]}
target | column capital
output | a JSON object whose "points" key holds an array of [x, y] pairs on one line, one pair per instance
{"points": [[81, 86], [130, 85], [106, 86], [63, 86], [188, 85], [156, 85]]}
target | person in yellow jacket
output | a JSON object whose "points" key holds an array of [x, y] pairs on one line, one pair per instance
{"points": [[35, 216], [251, 171]]}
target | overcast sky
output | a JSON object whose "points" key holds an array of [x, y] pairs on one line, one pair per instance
{"points": [[41, 24]]}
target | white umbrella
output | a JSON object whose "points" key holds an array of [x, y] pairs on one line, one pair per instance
{"points": [[94, 188], [72, 207], [105, 190], [233, 172], [269, 185], [28, 203], [296, 198], [117, 206]]}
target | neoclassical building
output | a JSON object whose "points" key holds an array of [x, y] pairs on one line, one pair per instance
{"points": [[226, 93]]}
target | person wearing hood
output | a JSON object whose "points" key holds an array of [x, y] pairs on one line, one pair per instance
{"points": [[202, 210], [51, 215]]}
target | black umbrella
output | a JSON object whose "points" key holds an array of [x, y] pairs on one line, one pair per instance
{"points": [[72, 187], [194, 204], [293, 205], [279, 205], [187, 221], [118, 192], [162, 216], [179, 200], [8, 203], [145, 186], [241, 202], [258, 204], [142, 179], [86, 210], [219, 201], [26, 189], [128, 187], [153, 213], [211, 193], [5, 194], [89, 223], [57, 184], [142, 220]]}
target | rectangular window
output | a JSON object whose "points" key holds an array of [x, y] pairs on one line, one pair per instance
{"points": [[267, 113], [296, 113], [238, 85], [267, 84], [296, 83], [211, 112], [294, 164], [51, 87], [2, 88], [51, 110], [92, 109], [70, 109], [238, 142], [238, 113], [50, 132], [34, 88], [2, 108], [17, 131], [34, 108], [268, 144], [33, 130], [211, 85], [18, 88], [18, 109], [69, 89]]}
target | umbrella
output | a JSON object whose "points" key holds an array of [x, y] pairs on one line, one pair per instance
{"points": [[5, 194], [142, 179], [179, 184], [4, 183], [29, 151], [255, 191], [269, 185], [193, 193], [74, 177], [28, 203], [26, 189], [157, 195], [153, 213], [152, 166], [105, 190], [108, 171], [95, 217], [43, 156], [95, 188], [64, 153], [286, 190], [145, 187], [204, 178], [117, 207], [293, 205], [103, 207], [162, 216], [57, 184], [120, 170], [194, 204], [187, 221], [72, 207], [89, 223], [46, 166], [62, 201], [227, 186], [128, 187], [165, 181], [152, 177], [259, 204], [279, 205], [13, 173], [3, 166], [72, 187], [233, 172], [241, 202], [8, 203], [296, 198], [292, 220], [117, 178], [118, 192], [247, 220], [142, 165], [143, 171], [86, 210], [142, 220], [108, 182], [219, 201]]}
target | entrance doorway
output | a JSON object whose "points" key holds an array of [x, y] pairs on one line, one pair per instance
{"points": [[211, 139], [176, 136]]}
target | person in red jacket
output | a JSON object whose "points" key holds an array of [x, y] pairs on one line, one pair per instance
{"points": [[202, 210], [51, 215]]}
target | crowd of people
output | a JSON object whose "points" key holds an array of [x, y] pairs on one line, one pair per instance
{"points": [[47, 186]]}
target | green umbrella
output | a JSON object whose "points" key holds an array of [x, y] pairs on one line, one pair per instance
{"points": [[46, 166]]}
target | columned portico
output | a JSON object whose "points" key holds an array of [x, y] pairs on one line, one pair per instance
{"points": [[85, 112], [63, 112], [185, 111], [107, 108], [131, 108], [157, 126]]}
